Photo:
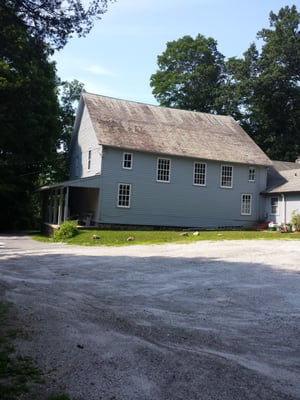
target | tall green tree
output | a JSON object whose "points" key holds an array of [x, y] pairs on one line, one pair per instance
{"points": [[33, 124], [275, 104], [263, 88], [69, 94], [29, 117], [190, 74]]}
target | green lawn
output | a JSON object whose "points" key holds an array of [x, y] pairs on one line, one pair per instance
{"points": [[120, 238]]}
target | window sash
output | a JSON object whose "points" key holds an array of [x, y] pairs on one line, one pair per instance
{"points": [[252, 174], [246, 205], [163, 170], [124, 195], [226, 176], [274, 205], [127, 160], [199, 174]]}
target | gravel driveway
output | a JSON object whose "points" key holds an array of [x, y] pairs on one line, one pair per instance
{"points": [[207, 320]]}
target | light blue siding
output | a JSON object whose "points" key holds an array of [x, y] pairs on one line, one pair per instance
{"points": [[287, 204], [179, 202]]}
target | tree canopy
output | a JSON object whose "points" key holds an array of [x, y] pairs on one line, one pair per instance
{"points": [[261, 90], [56, 21], [29, 115], [35, 115], [190, 74]]}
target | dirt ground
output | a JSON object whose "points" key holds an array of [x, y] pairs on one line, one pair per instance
{"points": [[208, 320]]}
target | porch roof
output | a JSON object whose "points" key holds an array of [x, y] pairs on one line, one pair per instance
{"points": [[87, 182]]}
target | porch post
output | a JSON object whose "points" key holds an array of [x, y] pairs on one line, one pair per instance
{"points": [[60, 206], [54, 219], [66, 204], [50, 207]]}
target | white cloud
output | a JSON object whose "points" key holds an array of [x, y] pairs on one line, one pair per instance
{"points": [[99, 70]]}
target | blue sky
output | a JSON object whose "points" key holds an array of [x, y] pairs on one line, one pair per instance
{"points": [[120, 54]]}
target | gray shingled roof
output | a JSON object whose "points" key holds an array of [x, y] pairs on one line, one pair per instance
{"points": [[283, 177], [137, 126]]}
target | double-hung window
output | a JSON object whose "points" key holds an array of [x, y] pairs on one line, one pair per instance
{"points": [[251, 176], [274, 205], [199, 173], [226, 176], [163, 170], [246, 204], [124, 193], [127, 160]]}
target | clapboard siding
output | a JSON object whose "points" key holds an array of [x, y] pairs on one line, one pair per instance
{"points": [[84, 147], [179, 202]]}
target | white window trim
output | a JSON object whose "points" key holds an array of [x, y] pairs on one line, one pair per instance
{"points": [[254, 178], [129, 197], [131, 162], [226, 187], [157, 163], [199, 184], [274, 197], [242, 204]]}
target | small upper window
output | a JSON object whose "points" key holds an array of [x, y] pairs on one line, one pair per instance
{"points": [[127, 160], [89, 159], [163, 170], [252, 173], [226, 176], [199, 173]]}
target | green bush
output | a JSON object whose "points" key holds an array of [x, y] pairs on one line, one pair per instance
{"points": [[296, 220], [67, 230]]}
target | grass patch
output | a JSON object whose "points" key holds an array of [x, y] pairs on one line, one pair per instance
{"points": [[120, 238]]}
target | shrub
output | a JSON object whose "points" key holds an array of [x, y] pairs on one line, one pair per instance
{"points": [[296, 220], [67, 230]]}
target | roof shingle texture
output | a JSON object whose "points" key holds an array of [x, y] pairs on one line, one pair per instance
{"points": [[284, 177], [137, 126]]}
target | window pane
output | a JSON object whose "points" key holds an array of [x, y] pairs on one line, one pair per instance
{"points": [[124, 195], [127, 160], [199, 173], [163, 170], [226, 176], [274, 205], [246, 204], [89, 159], [251, 174]]}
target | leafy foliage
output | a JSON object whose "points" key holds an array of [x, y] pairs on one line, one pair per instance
{"points": [[66, 230], [261, 90], [270, 83], [69, 95], [190, 74], [29, 117], [56, 21], [296, 220]]}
